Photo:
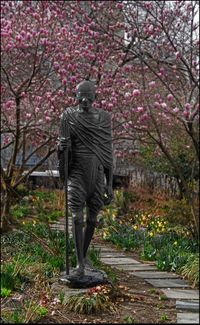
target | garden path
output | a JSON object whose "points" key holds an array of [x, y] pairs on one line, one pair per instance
{"points": [[171, 284]]}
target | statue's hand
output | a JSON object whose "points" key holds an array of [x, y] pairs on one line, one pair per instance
{"points": [[108, 195], [64, 143]]}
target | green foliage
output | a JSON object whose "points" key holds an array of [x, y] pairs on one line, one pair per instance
{"points": [[11, 272], [163, 317], [20, 211], [21, 190], [44, 195], [54, 215], [29, 312], [128, 319], [169, 250], [5, 292], [191, 269], [154, 236]]}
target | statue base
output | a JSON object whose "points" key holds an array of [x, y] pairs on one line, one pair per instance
{"points": [[91, 278]]}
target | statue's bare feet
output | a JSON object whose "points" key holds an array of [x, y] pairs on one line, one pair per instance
{"points": [[78, 272], [88, 265]]}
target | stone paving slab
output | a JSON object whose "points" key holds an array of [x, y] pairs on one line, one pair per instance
{"points": [[187, 318], [112, 254], [156, 275], [105, 249], [168, 283], [188, 304], [119, 260], [181, 293], [135, 267]]}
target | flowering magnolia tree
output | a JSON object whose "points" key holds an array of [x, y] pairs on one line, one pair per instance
{"points": [[143, 56]]}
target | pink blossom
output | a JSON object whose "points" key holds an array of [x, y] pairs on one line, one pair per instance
{"points": [[64, 81], [73, 79], [186, 114], [127, 95], [47, 118], [187, 106], [136, 92], [37, 109], [152, 84], [144, 117], [178, 55], [169, 97], [164, 105], [119, 5], [140, 109], [157, 104], [176, 110], [28, 115]]}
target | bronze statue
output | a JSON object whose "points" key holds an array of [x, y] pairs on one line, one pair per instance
{"points": [[88, 140]]}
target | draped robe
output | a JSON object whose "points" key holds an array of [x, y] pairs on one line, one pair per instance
{"points": [[90, 154]]}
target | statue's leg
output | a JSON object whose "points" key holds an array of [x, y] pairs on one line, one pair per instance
{"points": [[90, 226], [77, 229]]}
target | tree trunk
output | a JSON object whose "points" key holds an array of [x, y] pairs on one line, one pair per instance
{"points": [[5, 217]]}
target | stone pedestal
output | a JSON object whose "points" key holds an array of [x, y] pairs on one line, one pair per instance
{"points": [[91, 278]]}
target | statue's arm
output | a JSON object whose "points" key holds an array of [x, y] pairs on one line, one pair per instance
{"points": [[64, 143]]}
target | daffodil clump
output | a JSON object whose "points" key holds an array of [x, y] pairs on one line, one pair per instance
{"points": [[154, 224]]}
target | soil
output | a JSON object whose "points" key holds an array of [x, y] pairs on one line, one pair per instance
{"points": [[138, 302]]}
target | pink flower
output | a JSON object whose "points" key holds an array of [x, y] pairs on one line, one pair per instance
{"points": [[28, 115], [157, 104], [186, 114], [169, 97], [176, 110], [127, 95], [178, 55], [140, 109], [119, 5], [164, 105], [73, 79], [187, 106], [136, 92], [47, 118], [152, 84], [37, 109]]}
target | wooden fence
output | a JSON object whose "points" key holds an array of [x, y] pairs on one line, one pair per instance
{"points": [[153, 181]]}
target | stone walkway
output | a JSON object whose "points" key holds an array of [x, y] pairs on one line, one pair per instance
{"points": [[172, 285]]}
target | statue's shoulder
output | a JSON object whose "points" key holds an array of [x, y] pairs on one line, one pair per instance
{"points": [[69, 111]]}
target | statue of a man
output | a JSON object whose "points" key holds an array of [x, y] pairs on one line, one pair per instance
{"points": [[90, 170]]}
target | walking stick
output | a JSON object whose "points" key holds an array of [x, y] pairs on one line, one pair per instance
{"points": [[65, 135]]}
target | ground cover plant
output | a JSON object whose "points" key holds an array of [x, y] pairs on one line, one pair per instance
{"points": [[149, 230]]}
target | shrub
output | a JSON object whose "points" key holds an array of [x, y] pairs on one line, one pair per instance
{"points": [[191, 269], [94, 301]]}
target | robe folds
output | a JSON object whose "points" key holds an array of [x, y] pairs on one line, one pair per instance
{"points": [[90, 154]]}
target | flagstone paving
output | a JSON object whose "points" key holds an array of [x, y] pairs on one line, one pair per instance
{"points": [[188, 318], [188, 304], [188, 310], [156, 275], [168, 283]]}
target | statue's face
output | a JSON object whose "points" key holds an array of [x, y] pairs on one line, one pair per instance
{"points": [[85, 94], [85, 102]]}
